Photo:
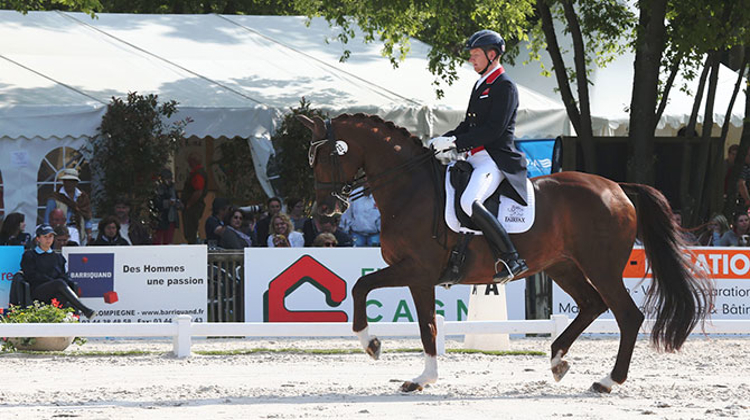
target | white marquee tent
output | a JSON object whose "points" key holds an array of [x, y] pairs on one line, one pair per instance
{"points": [[233, 75]]}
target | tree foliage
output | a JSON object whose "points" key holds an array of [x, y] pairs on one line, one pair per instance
{"points": [[133, 146], [236, 175], [25, 6], [291, 142]]}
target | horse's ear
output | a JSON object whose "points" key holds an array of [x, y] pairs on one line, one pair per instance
{"points": [[316, 125]]}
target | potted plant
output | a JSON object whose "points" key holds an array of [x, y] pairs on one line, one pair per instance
{"points": [[39, 313]]}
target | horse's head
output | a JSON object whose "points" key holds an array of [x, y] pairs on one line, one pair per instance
{"points": [[335, 160]]}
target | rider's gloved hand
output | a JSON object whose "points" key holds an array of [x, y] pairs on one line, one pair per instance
{"points": [[441, 144], [446, 148]]}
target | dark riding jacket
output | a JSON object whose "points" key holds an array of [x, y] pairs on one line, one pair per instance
{"points": [[490, 121]]}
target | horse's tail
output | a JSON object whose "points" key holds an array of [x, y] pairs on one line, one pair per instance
{"points": [[680, 293]]}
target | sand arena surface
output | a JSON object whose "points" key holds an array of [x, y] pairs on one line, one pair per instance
{"points": [[709, 378]]}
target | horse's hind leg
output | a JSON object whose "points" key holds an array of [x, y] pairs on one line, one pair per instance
{"points": [[424, 302], [590, 305], [629, 319]]}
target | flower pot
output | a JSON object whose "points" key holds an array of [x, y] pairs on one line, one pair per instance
{"points": [[42, 343]]}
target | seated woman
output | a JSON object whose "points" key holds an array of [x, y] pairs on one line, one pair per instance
{"points": [[12, 232], [233, 237], [109, 233], [282, 225], [44, 270]]}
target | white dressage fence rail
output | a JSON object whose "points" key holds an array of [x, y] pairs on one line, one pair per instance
{"points": [[182, 329]]}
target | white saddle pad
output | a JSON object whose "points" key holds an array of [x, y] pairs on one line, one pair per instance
{"points": [[514, 217]]}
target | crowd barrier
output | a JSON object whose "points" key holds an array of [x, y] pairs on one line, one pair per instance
{"points": [[182, 329]]}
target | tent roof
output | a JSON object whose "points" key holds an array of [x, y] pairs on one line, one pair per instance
{"points": [[233, 75]]}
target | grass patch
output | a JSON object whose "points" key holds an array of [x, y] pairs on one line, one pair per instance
{"points": [[262, 350]]}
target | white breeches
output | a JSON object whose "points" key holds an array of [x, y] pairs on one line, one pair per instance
{"points": [[484, 180]]}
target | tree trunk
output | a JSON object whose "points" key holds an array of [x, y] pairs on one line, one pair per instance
{"points": [[553, 48], [649, 49], [720, 168], [687, 200], [730, 201], [703, 174]]}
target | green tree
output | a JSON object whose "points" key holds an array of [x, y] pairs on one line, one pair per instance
{"points": [[291, 142], [236, 175], [25, 6], [133, 145]]}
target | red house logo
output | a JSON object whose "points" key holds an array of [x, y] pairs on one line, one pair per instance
{"points": [[304, 270]]}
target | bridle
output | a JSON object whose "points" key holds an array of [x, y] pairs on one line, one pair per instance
{"points": [[341, 189]]}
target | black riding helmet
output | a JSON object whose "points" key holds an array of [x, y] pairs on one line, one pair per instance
{"points": [[486, 40]]}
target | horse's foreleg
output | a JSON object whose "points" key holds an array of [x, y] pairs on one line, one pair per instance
{"points": [[424, 301], [399, 274]]}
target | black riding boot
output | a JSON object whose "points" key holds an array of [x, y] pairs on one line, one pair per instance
{"points": [[509, 264]]}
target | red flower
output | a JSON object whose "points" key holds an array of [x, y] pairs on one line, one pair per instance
{"points": [[1, 311], [56, 303]]}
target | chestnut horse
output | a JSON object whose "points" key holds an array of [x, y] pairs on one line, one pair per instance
{"points": [[584, 232]]}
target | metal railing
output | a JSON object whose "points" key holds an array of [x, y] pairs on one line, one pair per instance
{"points": [[226, 286]]}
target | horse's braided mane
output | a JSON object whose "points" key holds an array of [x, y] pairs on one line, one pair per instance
{"points": [[389, 124]]}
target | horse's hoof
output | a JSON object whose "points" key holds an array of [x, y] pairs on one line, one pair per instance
{"points": [[597, 387], [373, 349], [559, 370], [410, 386]]}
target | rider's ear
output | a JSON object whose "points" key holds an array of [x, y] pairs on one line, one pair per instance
{"points": [[316, 125]]}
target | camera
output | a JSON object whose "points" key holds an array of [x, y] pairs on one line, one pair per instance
{"points": [[255, 208], [744, 240]]}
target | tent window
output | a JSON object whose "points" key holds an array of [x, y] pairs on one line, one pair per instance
{"points": [[52, 164]]}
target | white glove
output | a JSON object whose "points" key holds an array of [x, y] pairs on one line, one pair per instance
{"points": [[442, 144]]}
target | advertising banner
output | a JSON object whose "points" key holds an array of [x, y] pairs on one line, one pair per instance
{"points": [[141, 283], [315, 284], [728, 267], [10, 264]]}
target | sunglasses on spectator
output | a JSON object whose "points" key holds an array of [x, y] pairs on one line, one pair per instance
{"points": [[329, 244]]}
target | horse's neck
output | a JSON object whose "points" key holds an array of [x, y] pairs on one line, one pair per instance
{"points": [[394, 180]]}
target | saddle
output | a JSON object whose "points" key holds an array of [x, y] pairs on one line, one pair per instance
{"points": [[514, 217]]}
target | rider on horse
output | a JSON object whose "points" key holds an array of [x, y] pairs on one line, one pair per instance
{"points": [[487, 134]]}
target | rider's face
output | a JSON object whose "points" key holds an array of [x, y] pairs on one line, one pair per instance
{"points": [[478, 59]]}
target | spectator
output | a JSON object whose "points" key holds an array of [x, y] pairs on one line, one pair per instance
{"points": [[62, 238], [232, 236], [167, 206], [215, 223], [295, 207], [361, 220], [57, 218], [687, 236], [73, 202], [109, 233], [282, 225], [132, 230], [715, 228], [738, 236], [12, 232], [262, 227], [44, 270], [319, 224], [325, 239], [193, 193]]}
